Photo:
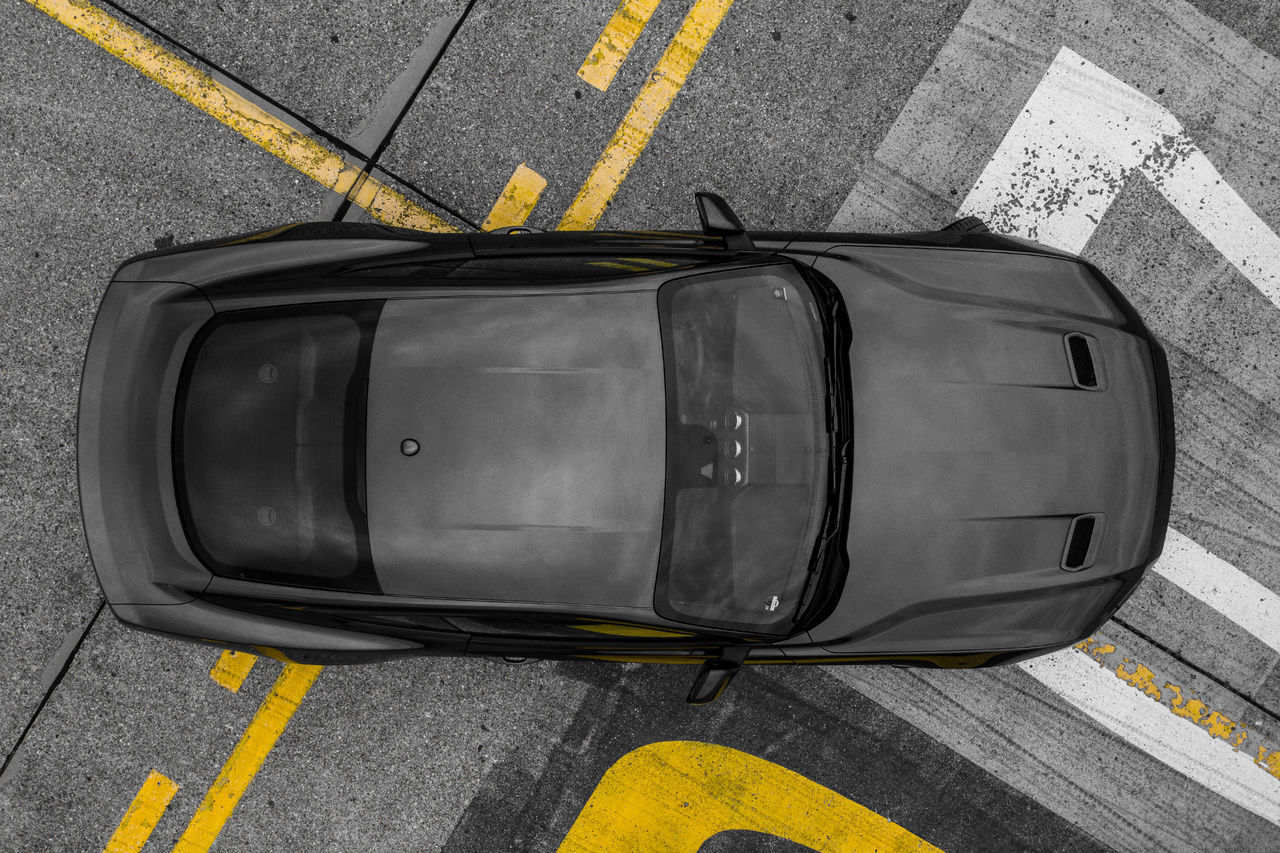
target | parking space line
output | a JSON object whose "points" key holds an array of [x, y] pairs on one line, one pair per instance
{"points": [[517, 199], [1183, 703], [232, 668], [1080, 137], [247, 757], [1222, 586], [674, 795], [241, 115], [616, 41], [641, 120], [1121, 700], [142, 815]]}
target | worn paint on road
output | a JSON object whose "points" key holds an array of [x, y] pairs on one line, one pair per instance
{"points": [[517, 199], [247, 758], [674, 795], [241, 115], [232, 668], [637, 127], [616, 41], [1184, 703], [1081, 136], [1195, 745], [142, 815]]}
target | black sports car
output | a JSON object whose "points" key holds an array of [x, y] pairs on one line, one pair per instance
{"points": [[346, 442]]}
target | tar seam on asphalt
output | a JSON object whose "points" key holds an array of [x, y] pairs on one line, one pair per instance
{"points": [[1182, 660], [313, 128], [53, 685], [404, 110]]}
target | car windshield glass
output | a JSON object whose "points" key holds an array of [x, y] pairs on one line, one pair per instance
{"points": [[269, 428], [747, 448]]}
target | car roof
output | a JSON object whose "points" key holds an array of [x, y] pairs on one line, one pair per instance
{"points": [[540, 423]]}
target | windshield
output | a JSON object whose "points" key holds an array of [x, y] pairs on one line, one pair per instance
{"points": [[747, 448]]}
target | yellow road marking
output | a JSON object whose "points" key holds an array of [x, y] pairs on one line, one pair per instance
{"points": [[615, 266], [142, 815], [651, 262], [241, 115], [517, 199], [1182, 702], [674, 795], [627, 630], [656, 96], [247, 758], [616, 41], [232, 668]]}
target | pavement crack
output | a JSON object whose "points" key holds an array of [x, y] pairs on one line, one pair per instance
{"points": [[1248, 700], [48, 692], [290, 116], [402, 109]]}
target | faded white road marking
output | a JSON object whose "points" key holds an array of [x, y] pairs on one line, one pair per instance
{"points": [[1148, 725], [1221, 586], [1081, 136]]}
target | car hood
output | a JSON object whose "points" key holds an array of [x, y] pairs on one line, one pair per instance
{"points": [[540, 421], [974, 449]]}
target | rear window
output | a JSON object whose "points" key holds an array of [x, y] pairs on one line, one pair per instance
{"points": [[269, 445]]}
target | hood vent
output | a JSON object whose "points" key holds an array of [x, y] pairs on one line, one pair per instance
{"points": [[1083, 537], [1084, 355]]}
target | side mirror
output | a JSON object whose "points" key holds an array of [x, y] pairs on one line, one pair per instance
{"points": [[719, 220], [715, 675], [712, 679]]}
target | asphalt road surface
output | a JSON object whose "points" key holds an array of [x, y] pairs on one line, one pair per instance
{"points": [[1143, 134]]}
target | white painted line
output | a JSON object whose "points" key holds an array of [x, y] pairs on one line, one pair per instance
{"points": [[1167, 737], [1082, 134], [1080, 137], [1221, 586]]}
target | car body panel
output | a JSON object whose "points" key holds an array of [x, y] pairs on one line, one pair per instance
{"points": [[974, 449], [541, 431], [123, 437], [996, 303]]}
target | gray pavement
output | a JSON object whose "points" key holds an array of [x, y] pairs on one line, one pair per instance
{"points": [[786, 112], [328, 62], [103, 164]]}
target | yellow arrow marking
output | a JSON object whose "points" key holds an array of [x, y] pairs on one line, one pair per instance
{"points": [[674, 795], [241, 115]]}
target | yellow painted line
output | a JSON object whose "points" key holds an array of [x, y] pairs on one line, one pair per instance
{"points": [[651, 262], [241, 115], [142, 815], [247, 758], [656, 96], [627, 630], [1184, 703], [674, 795], [232, 668], [615, 266], [616, 41], [517, 199]]}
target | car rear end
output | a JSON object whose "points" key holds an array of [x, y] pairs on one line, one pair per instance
{"points": [[130, 498]]}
